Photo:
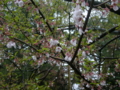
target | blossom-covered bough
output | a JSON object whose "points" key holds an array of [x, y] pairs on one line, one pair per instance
{"points": [[37, 48]]}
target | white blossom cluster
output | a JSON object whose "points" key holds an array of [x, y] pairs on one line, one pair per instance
{"points": [[114, 4], [68, 57], [73, 42], [20, 3], [53, 42], [34, 57], [11, 44], [78, 15], [58, 49]]}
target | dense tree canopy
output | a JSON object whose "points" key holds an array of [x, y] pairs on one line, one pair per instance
{"points": [[58, 44]]}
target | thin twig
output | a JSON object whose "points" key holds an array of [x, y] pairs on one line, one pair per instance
{"points": [[109, 42], [59, 59], [26, 44], [103, 35]]}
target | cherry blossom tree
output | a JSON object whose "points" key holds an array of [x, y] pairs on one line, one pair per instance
{"points": [[40, 38]]}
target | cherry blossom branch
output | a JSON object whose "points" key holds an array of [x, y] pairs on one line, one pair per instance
{"points": [[46, 23], [74, 68], [38, 51], [84, 27]]}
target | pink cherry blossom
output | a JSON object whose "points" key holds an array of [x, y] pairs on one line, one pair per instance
{"points": [[53, 42], [77, 15], [88, 85], [80, 31], [47, 55], [84, 54], [103, 83], [73, 42], [58, 49], [105, 12], [41, 31], [115, 1], [83, 3], [114, 5], [88, 76], [89, 40], [99, 76], [11, 44], [115, 8], [34, 57], [68, 57], [40, 62], [77, 1]]}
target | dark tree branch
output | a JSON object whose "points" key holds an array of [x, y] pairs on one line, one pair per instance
{"points": [[103, 35], [109, 42], [74, 68], [79, 44], [101, 53], [116, 12], [103, 30]]}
